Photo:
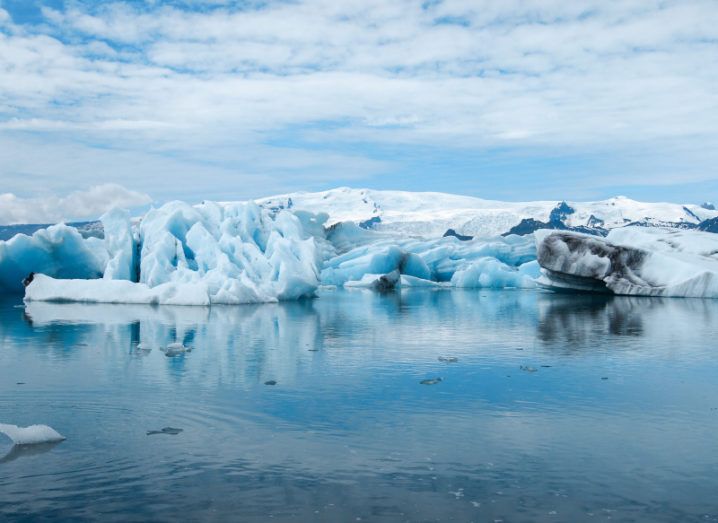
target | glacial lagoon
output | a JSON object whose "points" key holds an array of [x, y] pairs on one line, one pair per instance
{"points": [[549, 407]]}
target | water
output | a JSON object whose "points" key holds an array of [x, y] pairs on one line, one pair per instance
{"points": [[613, 417]]}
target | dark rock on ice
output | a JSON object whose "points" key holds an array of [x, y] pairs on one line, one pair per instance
{"points": [[461, 237]]}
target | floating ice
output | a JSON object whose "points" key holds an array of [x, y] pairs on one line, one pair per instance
{"points": [[175, 349], [633, 261], [491, 273], [231, 253], [172, 431], [497, 262], [32, 435], [198, 255]]}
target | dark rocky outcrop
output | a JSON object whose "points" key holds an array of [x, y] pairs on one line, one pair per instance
{"points": [[462, 237]]}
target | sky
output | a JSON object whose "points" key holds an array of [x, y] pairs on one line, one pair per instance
{"points": [[144, 101]]}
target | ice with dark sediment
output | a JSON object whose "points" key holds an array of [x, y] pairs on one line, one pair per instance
{"points": [[631, 261]]}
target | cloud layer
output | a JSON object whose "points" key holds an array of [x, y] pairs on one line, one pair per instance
{"points": [[330, 86], [87, 204]]}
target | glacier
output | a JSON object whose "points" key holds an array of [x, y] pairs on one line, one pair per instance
{"points": [[287, 247], [431, 214]]}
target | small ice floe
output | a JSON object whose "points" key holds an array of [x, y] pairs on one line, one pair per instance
{"points": [[175, 349], [458, 494], [166, 430], [527, 368], [32, 435], [448, 359], [430, 381], [270, 382]]}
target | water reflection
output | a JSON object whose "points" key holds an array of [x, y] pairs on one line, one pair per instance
{"points": [[348, 431], [20, 451]]}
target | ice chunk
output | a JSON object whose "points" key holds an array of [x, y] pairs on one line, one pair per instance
{"points": [[32, 435], [531, 269], [491, 273], [378, 282], [634, 260]]}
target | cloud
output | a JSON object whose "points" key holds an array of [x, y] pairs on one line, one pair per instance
{"points": [[87, 204], [165, 78]]}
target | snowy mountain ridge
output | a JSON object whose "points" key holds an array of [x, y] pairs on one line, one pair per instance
{"points": [[431, 214]]}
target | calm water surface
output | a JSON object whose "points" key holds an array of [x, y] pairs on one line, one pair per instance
{"points": [[614, 415]]}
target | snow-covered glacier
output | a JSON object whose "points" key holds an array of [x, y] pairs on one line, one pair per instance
{"points": [[431, 214], [631, 261], [286, 247]]}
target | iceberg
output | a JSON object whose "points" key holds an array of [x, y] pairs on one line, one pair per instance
{"points": [[234, 253], [631, 261], [194, 255], [447, 261]]}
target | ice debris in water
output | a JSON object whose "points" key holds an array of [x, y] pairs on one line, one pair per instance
{"points": [[175, 349], [166, 430], [32, 435], [527, 368], [430, 381], [144, 348]]}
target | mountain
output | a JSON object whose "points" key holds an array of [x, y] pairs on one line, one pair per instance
{"points": [[432, 214]]}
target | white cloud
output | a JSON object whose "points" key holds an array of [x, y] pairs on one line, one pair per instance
{"points": [[591, 75], [87, 204]]}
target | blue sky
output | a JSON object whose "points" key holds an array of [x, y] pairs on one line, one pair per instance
{"points": [[511, 99]]}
